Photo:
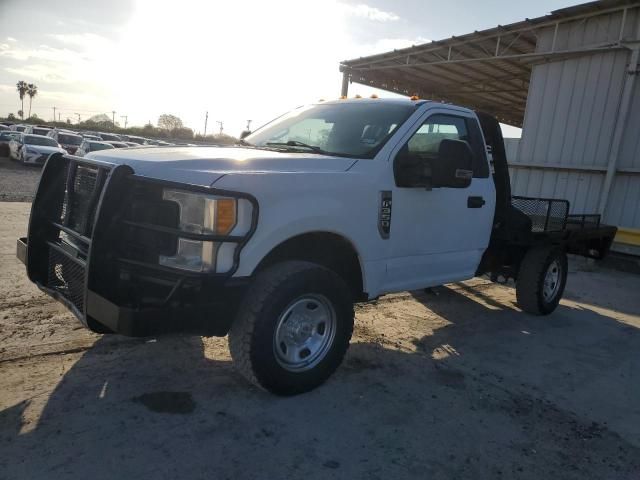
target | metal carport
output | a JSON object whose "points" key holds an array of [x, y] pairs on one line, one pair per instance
{"points": [[526, 74]]}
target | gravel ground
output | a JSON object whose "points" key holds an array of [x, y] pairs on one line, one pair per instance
{"points": [[18, 182], [450, 383]]}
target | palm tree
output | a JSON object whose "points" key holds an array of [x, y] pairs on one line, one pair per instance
{"points": [[32, 91], [22, 88]]}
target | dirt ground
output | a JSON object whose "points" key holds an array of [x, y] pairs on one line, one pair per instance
{"points": [[451, 383], [18, 182]]}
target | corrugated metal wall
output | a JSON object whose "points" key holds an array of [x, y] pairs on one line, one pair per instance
{"points": [[569, 122]]}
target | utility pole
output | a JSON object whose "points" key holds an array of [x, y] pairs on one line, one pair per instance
{"points": [[206, 119], [78, 116], [59, 117], [221, 126], [249, 125], [54, 113], [113, 117], [126, 120]]}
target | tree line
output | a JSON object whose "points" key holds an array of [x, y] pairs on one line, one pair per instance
{"points": [[169, 126]]}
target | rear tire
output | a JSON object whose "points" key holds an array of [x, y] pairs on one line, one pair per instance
{"points": [[541, 280], [293, 327]]}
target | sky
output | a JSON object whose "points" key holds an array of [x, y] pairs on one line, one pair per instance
{"points": [[236, 60]]}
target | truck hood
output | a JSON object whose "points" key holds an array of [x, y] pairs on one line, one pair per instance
{"points": [[205, 165]]}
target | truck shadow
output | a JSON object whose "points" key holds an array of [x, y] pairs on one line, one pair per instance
{"points": [[492, 394]]}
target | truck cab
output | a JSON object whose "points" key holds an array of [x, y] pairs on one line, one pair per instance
{"points": [[273, 240]]}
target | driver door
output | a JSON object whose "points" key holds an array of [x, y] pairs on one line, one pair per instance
{"points": [[439, 235]]}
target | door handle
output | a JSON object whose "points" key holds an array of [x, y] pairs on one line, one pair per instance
{"points": [[475, 202]]}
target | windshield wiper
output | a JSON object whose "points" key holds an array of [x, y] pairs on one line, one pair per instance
{"points": [[295, 143]]}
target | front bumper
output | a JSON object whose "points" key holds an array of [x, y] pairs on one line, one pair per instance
{"points": [[212, 318], [79, 252], [36, 158]]}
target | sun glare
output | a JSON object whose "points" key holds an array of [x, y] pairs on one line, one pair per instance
{"points": [[235, 60]]}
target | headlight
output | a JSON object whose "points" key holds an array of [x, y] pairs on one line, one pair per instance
{"points": [[205, 215]]}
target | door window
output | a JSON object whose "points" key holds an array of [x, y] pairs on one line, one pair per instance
{"points": [[425, 143]]}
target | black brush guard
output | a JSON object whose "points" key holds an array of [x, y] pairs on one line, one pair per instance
{"points": [[76, 223]]}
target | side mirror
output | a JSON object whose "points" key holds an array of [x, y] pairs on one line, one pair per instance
{"points": [[245, 134], [451, 167], [454, 165], [411, 171]]}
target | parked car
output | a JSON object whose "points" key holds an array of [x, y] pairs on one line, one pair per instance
{"points": [[334, 203], [134, 139], [95, 138], [109, 137], [119, 144], [18, 128], [70, 141], [37, 130], [88, 146], [4, 127], [5, 138], [33, 149]]}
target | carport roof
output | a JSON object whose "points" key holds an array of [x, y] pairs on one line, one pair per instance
{"points": [[487, 70]]}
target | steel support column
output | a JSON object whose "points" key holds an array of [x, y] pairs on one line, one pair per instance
{"points": [[346, 78], [621, 123]]}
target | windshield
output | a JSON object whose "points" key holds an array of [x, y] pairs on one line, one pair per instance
{"points": [[42, 141], [69, 139], [346, 129], [41, 131]]}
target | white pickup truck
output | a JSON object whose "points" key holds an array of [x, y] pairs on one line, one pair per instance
{"points": [[273, 240]]}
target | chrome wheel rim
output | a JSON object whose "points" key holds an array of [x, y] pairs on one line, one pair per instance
{"points": [[552, 281], [304, 333]]}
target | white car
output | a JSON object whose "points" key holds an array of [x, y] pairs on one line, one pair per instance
{"points": [[68, 140], [33, 149], [37, 130], [88, 146], [272, 241]]}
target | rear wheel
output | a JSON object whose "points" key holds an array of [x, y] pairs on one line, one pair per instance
{"points": [[293, 328], [541, 280]]}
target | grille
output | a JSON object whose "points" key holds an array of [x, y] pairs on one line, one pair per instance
{"points": [[547, 215], [78, 210], [66, 277]]}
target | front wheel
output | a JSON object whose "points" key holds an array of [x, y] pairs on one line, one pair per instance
{"points": [[541, 280], [293, 328]]}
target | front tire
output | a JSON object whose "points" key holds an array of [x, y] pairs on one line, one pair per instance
{"points": [[541, 280], [293, 327]]}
